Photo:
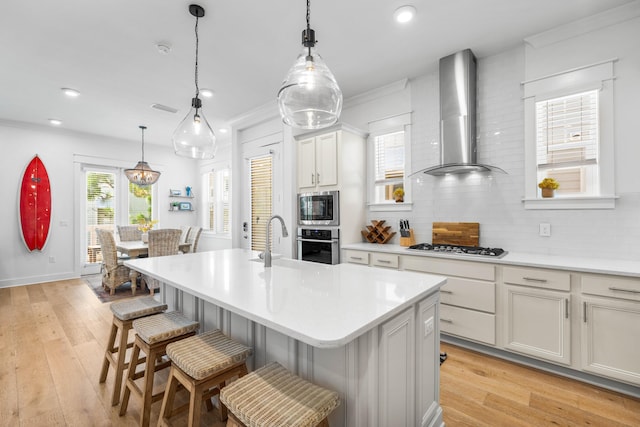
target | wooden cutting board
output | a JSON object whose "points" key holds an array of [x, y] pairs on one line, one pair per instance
{"points": [[456, 233]]}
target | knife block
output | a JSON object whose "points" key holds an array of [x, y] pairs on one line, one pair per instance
{"points": [[408, 241]]}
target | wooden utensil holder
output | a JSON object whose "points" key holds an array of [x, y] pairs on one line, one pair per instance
{"points": [[408, 241]]}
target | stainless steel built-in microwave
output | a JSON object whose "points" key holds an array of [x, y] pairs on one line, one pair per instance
{"points": [[321, 208]]}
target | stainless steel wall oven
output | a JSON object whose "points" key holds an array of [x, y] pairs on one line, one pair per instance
{"points": [[319, 245]]}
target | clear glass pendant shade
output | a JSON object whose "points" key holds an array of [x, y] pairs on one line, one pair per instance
{"points": [[194, 137], [309, 97]]}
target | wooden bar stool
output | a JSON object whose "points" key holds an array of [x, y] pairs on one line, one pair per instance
{"points": [[124, 313], [153, 334], [202, 364], [273, 396]]}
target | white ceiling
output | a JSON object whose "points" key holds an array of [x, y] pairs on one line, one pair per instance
{"points": [[107, 50]]}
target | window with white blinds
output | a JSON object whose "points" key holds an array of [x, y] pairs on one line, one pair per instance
{"points": [[261, 199], [218, 201], [569, 136], [388, 160], [567, 141]]}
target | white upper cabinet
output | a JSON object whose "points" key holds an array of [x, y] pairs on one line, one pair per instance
{"points": [[318, 163]]}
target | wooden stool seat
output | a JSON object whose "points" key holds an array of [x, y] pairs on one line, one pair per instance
{"points": [[202, 364], [153, 334], [272, 396], [124, 313]]}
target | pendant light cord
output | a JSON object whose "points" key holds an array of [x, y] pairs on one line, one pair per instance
{"points": [[308, 23], [196, 73], [142, 128]]}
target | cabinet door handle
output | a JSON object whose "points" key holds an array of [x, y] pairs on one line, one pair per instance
{"points": [[313, 178], [446, 320], [444, 291], [318, 178], [533, 279], [631, 291], [584, 311], [566, 308]]}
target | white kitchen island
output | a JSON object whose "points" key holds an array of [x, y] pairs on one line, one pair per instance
{"points": [[370, 334]]}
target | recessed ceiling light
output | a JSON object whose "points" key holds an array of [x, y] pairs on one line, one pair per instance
{"points": [[207, 93], [71, 93], [404, 14], [55, 122]]}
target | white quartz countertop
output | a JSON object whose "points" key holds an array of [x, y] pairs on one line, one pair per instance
{"points": [[324, 306], [556, 262]]}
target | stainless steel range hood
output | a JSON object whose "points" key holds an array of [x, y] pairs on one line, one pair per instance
{"points": [[458, 117]]}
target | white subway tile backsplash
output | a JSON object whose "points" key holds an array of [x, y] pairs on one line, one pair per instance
{"points": [[495, 200]]}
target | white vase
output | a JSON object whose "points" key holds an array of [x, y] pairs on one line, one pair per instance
{"points": [[145, 237]]}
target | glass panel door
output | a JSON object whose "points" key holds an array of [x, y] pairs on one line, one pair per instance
{"points": [[99, 212]]}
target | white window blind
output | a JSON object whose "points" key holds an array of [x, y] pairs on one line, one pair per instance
{"points": [[567, 131], [261, 200], [389, 158], [219, 187]]}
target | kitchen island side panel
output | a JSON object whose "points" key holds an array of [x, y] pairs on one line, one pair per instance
{"points": [[388, 375]]}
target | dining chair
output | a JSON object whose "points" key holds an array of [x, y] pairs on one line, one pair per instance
{"points": [[185, 233], [114, 274], [129, 233], [163, 242], [194, 237]]}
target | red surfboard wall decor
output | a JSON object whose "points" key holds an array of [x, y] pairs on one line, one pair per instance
{"points": [[35, 205]]}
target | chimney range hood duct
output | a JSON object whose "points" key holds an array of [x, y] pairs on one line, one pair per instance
{"points": [[458, 117]]}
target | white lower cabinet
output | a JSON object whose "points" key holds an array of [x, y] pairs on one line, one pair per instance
{"points": [[537, 323], [536, 317], [611, 327], [468, 299]]}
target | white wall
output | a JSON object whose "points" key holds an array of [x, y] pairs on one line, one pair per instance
{"points": [[495, 200], [57, 148]]}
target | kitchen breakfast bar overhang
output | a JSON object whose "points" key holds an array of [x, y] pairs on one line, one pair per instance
{"points": [[370, 334]]}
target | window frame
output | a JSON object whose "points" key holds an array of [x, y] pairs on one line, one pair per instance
{"points": [[215, 168], [397, 123], [599, 77]]}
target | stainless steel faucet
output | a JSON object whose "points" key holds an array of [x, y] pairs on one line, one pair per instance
{"points": [[267, 249]]}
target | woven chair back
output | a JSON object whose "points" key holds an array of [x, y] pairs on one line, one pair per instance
{"points": [[129, 233], [163, 242]]}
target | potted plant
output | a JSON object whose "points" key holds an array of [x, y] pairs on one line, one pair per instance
{"points": [[548, 186], [398, 195]]}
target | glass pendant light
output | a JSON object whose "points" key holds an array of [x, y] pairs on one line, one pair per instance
{"points": [[309, 97], [142, 174], [194, 137]]}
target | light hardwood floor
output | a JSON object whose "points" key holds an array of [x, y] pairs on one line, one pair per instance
{"points": [[53, 336]]}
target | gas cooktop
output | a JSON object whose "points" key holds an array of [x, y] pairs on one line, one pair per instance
{"points": [[460, 250]]}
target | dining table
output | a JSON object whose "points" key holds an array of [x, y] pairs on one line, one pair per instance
{"points": [[136, 248]]}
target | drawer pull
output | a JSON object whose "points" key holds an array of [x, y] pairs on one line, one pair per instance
{"points": [[359, 258], [631, 291], [384, 261], [533, 279], [444, 291], [446, 320]]}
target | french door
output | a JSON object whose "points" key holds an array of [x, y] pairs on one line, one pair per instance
{"points": [[107, 199], [262, 192]]}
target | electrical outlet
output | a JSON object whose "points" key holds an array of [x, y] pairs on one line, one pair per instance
{"points": [[428, 326], [545, 229]]}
